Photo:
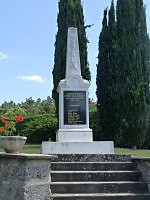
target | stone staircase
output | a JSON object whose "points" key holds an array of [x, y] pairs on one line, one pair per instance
{"points": [[97, 177]]}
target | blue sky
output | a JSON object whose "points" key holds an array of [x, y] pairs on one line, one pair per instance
{"points": [[27, 36]]}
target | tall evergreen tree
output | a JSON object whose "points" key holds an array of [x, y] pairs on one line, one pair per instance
{"points": [[132, 62], [123, 73], [102, 79], [113, 123], [70, 15], [106, 76], [144, 53]]}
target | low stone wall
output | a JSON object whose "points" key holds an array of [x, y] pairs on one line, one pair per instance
{"points": [[25, 176], [143, 165]]}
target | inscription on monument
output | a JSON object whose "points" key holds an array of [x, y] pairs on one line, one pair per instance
{"points": [[74, 107]]}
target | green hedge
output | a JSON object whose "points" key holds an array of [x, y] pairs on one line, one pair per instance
{"points": [[39, 128]]}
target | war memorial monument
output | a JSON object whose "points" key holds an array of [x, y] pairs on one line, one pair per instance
{"points": [[74, 135]]}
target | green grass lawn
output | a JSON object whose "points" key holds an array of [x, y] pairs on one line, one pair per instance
{"points": [[36, 149], [31, 149], [138, 152]]}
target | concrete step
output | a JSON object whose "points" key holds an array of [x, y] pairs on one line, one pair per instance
{"points": [[66, 176], [99, 187], [96, 177], [92, 166], [93, 158], [120, 196]]}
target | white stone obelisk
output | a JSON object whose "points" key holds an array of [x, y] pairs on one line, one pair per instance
{"points": [[73, 56], [73, 90]]}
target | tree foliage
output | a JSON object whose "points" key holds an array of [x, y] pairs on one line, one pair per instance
{"points": [[106, 76], [102, 74], [123, 73], [133, 71], [40, 128], [40, 122]]}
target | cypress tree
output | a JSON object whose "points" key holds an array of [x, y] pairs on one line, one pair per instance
{"points": [[122, 62], [113, 123], [70, 15], [102, 79], [123, 74], [132, 63], [144, 55], [106, 76]]}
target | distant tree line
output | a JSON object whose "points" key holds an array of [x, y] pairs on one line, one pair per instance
{"points": [[40, 122]]}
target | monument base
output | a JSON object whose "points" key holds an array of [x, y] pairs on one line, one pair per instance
{"points": [[100, 147], [74, 135]]}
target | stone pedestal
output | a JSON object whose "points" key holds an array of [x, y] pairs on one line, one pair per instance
{"points": [[106, 147], [74, 135], [74, 111], [25, 176]]}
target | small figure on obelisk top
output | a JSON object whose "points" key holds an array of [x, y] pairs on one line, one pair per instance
{"points": [[73, 56]]}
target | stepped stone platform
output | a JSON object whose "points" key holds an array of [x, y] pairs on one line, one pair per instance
{"points": [[96, 177]]}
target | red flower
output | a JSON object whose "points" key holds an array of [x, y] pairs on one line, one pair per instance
{"points": [[2, 128], [19, 118], [2, 119], [10, 126]]}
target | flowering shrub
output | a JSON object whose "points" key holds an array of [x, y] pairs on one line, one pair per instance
{"points": [[9, 126]]}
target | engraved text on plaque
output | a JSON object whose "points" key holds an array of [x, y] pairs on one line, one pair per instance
{"points": [[74, 107]]}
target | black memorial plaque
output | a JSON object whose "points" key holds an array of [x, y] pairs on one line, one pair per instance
{"points": [[74, 107]]}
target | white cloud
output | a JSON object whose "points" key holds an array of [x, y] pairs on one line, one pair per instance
{"points": [[35, 78], [3, 56]]}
